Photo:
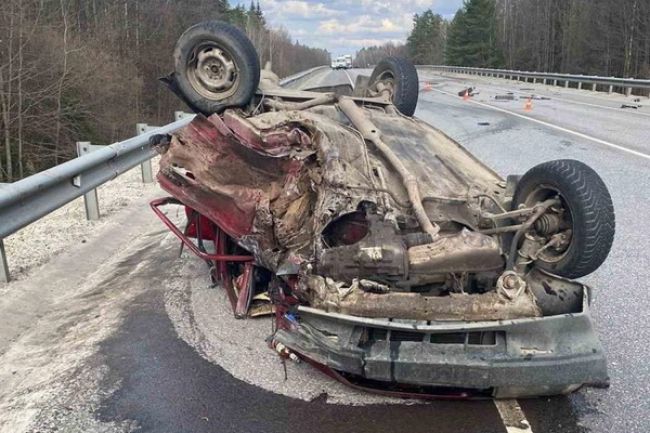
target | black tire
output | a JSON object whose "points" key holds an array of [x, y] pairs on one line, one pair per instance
{"points": [[231, 58], [404, 78], [592, 217]]}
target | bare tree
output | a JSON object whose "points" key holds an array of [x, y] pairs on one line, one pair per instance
{"points": [[75, 70]]}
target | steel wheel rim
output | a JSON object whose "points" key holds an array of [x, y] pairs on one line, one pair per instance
{"points": [[212, 71]]}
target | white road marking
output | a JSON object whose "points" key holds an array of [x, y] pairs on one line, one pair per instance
{"points": [[512, 416], [557, 127], [349, 78]]}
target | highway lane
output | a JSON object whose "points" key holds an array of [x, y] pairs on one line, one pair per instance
{"points": [[513, 144], [612, 101], [107, 352], [621, 129]]}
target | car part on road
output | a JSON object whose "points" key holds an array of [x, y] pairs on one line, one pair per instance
{"points": [[216, 67], [399, 78], [386, 250], [468, 92], [536, 98]]}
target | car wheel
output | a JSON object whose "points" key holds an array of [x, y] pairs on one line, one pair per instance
{"points": [[216, 67], [584, 222], [401, 78]]}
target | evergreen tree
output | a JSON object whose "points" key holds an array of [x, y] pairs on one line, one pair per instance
{"points": [[453, 54], [426, 42], [472, 36]]}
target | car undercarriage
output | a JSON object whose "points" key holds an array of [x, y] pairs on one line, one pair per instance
{"points": [[391, 257]]}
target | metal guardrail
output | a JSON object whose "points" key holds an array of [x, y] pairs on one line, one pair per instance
{"points": [[29, 199], [292, 78], [608, 83]]}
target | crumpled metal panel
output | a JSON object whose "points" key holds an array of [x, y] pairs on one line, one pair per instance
{"points": [[276, 180]]}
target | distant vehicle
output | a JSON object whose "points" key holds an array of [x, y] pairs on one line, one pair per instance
{"points": [[342, 62]]}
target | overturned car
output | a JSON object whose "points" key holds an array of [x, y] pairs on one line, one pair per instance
{"points": [[391, 258]]}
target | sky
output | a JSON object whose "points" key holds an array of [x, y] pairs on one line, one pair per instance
{"points": [[345, 26]]}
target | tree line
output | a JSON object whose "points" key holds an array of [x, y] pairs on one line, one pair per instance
{"points": [[87, 70], [594, 37]]}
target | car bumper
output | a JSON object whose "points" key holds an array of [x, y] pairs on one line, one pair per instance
{"points": [[502, 359]]}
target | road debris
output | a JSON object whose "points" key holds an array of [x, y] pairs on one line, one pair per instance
{"points": [[536, 98], [468, 92]]}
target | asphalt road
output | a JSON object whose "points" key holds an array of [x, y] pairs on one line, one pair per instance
{"points": [[93, 344], [512, 144]]}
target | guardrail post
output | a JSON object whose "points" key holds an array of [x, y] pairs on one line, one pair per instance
{"points": [[147, 171], [555, 82], [566, 84], [628, 91], [4, 266], [593, 87], [91, 201], [611, 89], [579, 85]]}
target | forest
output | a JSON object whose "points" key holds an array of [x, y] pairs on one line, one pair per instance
{"points": [[593, 37], [87, 70], [73, 70]]}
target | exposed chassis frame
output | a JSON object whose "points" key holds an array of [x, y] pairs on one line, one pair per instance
{"points": [[218, 262]]}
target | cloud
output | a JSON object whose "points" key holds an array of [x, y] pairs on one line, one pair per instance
{"points": [[288, 9], [367, 24], [345, 26]]}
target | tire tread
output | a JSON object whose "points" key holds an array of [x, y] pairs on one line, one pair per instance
{"points": [[407, 87], [593, 212]]}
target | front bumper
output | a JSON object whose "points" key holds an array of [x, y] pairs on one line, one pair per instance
{"points": [[502, 359]]}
